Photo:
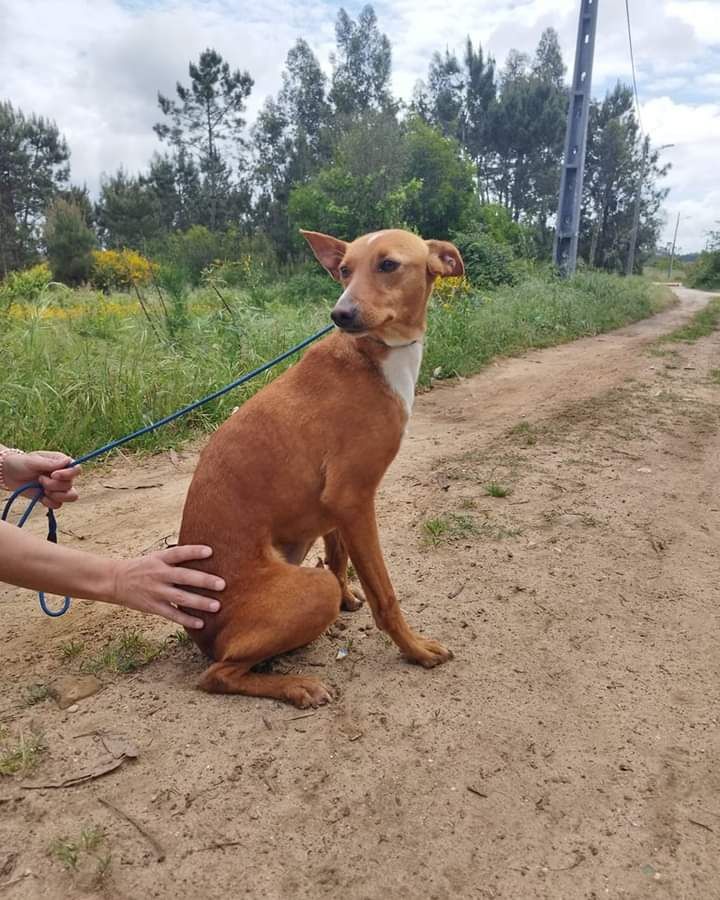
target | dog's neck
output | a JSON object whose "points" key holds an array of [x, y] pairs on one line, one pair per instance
{"points": [[392, 346]]}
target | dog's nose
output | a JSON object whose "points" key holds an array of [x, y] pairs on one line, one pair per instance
{"points": [[345, 315]]}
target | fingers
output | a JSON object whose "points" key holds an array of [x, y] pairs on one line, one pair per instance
{"points": [[192, 601], [63, 478], [175, 615], [175, 555], [196, 579], [47, 461]]}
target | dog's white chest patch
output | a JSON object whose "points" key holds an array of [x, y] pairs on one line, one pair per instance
{"points": [[401, 368]]}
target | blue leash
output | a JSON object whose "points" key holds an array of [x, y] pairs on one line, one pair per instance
{"points": [[106, 448]]}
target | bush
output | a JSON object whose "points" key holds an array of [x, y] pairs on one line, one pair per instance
{"points": [[310, 285], [195, 250], [119, 269], [26, 285], [704, 272], [495, 221], [487, 262], [69, 243]]}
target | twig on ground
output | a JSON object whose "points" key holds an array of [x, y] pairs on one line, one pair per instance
{"points": [[156, 845]]}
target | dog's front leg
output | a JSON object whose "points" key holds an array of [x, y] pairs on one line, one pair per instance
{"points": [[361, 537]]}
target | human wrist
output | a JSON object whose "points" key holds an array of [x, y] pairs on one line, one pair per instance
{"points": [[5, 452], [111, 582]]}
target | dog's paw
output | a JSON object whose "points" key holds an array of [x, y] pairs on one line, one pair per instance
{"points": [[351, 600], [307, 692], [429, 653]]}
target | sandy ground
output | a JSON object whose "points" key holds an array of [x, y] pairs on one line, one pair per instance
{"points": [[570, 750]]}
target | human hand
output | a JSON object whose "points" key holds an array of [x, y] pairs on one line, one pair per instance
{"points": [[153, 584], [48, 468]]}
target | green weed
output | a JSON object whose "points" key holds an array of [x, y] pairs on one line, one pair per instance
{"points": [[36, 693], [126, 653], [71, 650], [525, 433], [21, 755], [68, 851], [493, 489], [449, 527]]}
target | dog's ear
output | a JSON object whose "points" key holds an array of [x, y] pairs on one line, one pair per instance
{"points": [[444, 259], [329, 251]]}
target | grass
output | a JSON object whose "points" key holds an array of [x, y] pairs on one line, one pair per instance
{"points": [[71, 650], [126, 653], [703, 323], [539, 312], [450, 527], [78, 380], [70, 852], [659, 272], [21, 755], [493, 489], [36, 693], [715, 376], [525, 433]]}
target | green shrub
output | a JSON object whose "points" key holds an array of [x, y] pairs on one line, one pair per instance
{"points": [[310, 285], [26, 285], [194, 250], [704, 273], [488, 263], [495, 221]]}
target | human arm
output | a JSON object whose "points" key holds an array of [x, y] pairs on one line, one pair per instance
{"points": [[150, 584]]}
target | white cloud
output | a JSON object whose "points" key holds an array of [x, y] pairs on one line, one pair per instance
{"points": [[95, 67], [693, 180]]}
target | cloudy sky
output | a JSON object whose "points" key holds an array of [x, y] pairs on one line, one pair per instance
{"points": [[95, 67]]}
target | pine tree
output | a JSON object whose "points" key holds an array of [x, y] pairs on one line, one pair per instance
{"points": [[128, 212], [33, 168], [208, 116], [69, 242]]}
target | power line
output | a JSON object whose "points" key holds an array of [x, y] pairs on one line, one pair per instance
{"points": [[632, 63]]}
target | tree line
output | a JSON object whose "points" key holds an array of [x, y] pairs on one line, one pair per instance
{"points": [[477, 149]]}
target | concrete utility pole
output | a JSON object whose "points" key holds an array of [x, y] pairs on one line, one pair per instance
{"points": [[571, 180]]}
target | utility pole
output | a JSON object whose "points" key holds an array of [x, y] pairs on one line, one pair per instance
{"points": [[672, 252], [571, 180]]}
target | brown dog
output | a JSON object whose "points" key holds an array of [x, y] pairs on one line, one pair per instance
{"points": [[303, 459]]}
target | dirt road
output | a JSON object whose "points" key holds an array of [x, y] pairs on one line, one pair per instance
{"points": [[569, 751]]}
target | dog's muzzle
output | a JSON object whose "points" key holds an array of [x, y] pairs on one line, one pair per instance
{"points": [[346, 314]]}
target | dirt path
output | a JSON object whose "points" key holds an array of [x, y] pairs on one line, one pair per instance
{"points": [[569, 751]]}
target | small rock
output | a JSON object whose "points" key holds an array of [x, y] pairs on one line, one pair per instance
{"points": [[66, 691], [646, 470], [73, 708]]}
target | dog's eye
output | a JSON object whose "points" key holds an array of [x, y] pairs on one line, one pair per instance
{"points": [[388, 265], [344, 272]]}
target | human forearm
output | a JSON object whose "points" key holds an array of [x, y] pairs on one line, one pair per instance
{"points": [[30, 562], [156, 583]]}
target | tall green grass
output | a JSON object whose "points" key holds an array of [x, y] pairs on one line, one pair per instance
{"points": [[75, 383], [539, 312]]}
